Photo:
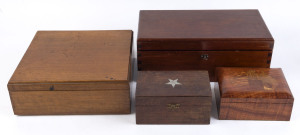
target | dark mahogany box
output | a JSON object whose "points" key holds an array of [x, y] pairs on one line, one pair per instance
{"points": [[173, 97], [253, 94], [74, 72], [202, 40]]}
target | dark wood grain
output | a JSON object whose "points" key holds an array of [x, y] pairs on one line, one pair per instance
{"points": [[191, 60], [153, 83], [176, 39], [74, 72], [154, 110], [253, 94], [231, 27], [160, 103], [205, 45]]}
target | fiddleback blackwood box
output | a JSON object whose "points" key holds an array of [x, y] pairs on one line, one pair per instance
{"points": [[74, 72], [173, 97], [253, 94], [202, 40]]}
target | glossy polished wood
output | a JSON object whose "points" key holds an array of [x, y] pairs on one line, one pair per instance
{"points": [[62, 64], [177, 39], [253, 94], [159, 103], [191, 60], [161, 25]]}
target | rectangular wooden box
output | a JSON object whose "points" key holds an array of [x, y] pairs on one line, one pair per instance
{"points": [[74, 72], [202, 40], [253, 94], [173, 97]]}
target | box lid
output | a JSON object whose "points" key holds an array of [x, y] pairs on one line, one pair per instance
{"points": [[173, 83], [75, 60], [253, 85], [203, 30]]}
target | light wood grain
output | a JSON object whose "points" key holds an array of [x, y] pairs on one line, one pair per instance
{"points": [[74, 72], [70, 102], [76, 56]]}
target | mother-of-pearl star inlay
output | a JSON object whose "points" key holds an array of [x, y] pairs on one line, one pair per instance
{"points": [[173, 82]]}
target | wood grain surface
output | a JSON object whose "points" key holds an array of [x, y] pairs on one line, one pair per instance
{"points": [[204, 25], [71, 102], [192, 83], [192, 60], [192, 110], [75, 56], [74, 72], [186, 103], [255, 111], [155, 110], [253, 94], [253, 83], [205, 45], [202, 40]]}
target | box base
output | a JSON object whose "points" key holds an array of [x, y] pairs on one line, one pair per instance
{"points": [[255, 111], [182, 115], [251, 111], [70, 102]]}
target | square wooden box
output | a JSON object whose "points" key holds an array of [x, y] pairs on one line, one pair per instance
{"points": [[253, 94], [74, 72], [202, 40], [173, 97]]}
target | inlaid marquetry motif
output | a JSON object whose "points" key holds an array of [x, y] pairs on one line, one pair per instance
{"points": [[173, 82], [173, 106], [254, 79]]}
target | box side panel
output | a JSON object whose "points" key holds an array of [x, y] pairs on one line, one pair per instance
{"points": [[131, 64], [206, 45], [70, 102], [173, 112], [202, 60], [70, 86], [255, 111], [217, 96]]}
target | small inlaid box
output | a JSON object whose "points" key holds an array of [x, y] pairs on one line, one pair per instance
{"points": [[173, 97], [253, 94]]}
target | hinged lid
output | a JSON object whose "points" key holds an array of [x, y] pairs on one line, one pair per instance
{"points": [[203, 30], [173, 84], [75, 60], [263, 85]]}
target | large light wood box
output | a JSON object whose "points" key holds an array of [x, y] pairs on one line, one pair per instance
{"points": [[74, 72]]}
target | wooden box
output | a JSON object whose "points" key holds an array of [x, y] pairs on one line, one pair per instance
{"points": [[253, 94], [74, 72], [173, 97], [202, 40]]}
